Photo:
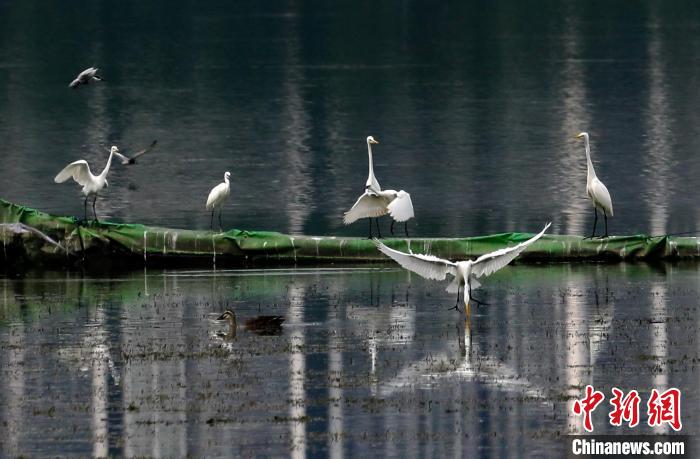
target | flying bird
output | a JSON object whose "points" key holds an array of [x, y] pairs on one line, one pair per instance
{"points": [[85, 77], [217, 197], [132, 160], [595, 189], [465, 273], [92, 184], [375, 202]]}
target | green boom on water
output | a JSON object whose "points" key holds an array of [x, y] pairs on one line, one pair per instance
{"points": [[31, 237]]}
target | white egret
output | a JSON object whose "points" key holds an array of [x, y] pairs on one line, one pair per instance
{"points": [[85, 77], [596, 190], [375, 202], [464, 272], [126, 160], [92, 184], [217, 197]]}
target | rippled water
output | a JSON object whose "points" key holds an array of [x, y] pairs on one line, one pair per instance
{"points": [[369, 362], [475, 104]]}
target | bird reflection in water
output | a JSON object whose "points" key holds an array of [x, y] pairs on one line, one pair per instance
{"points": [[260, 325]]}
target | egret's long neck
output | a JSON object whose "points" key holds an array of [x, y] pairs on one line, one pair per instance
{"points": [[371, 179], [591, 171], [109, 164]]}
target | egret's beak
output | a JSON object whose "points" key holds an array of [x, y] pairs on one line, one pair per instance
{"points": [[578, 136], [374, 141]]}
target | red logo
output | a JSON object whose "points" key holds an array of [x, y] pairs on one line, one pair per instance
{"points": [[665, 408], [587, 405], [662, 408], [624, 408]]}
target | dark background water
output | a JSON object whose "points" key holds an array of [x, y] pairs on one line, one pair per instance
{"points": [[475, 103]]}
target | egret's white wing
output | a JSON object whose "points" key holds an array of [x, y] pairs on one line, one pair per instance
{"points": [[428, 266], [122, 158], [369, 205], [216, 195], [602, 195], [489, 263], [83, 76], [78, 170], [401, 208], [90, 71]]}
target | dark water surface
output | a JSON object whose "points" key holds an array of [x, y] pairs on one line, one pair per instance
{"points": [[369, 362], [475, 103]]}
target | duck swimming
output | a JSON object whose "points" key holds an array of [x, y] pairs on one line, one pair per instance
{"points": [[260, 325]]}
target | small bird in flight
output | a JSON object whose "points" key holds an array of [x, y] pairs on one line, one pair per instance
{"points": [[126, 160], [85, 77]]}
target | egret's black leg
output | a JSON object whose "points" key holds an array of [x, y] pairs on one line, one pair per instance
{"points": [[211, 222], [605, 214], [94, 201], [405, 227], [456, 306], [379, 230], [221, 229], [595, 223], [85, 209], [392, 227], [370, 228], [478, 302]]}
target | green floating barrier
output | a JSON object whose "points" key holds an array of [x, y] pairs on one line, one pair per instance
{"points": [[30, 237]]}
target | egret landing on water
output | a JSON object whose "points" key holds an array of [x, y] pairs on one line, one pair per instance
{"points": [[464, 272], [85, 77], [596, 190], [217, 197], [375, 202], [92, 184]]}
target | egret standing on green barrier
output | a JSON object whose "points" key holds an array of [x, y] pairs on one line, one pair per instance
{"points": [[374, 202], [596, 190], [464, 272], [92, 184], [217, 197]]}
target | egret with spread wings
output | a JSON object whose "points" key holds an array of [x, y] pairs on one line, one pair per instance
{"points": [[375, 202], [465, 273], [126, 160], [92, 184]]}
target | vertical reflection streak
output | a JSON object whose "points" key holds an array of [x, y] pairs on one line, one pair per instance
{"points": [[100, 389], [297, 373], [575, 118], [335, 410], [577, 358], [658, 158], [298, 189], [659, 340]]}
